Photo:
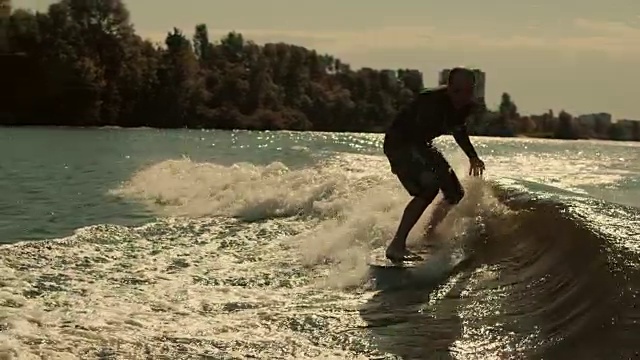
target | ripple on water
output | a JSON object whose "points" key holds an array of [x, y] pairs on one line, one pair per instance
{"points": [[172, 289]]}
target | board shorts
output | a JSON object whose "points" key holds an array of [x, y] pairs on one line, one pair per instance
{"points": [[423, 172]]}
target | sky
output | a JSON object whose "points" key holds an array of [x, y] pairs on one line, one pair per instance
{"points": [[582, 56]]}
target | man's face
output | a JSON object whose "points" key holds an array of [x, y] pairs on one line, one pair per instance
{"points": [[461, 90]]}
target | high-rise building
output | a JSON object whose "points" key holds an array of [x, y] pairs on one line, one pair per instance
{"points": [[479, 90], [5, 13]]}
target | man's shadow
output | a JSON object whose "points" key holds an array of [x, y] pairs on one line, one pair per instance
{"points": [[402, 318]]}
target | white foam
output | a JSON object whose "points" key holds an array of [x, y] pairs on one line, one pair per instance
{"points": [[186, 188], [205, 284]]}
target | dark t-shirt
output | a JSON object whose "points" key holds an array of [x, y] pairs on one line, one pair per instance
{"points": [[429, 115]]}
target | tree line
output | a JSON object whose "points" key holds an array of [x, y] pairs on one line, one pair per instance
{"points": [[507, 121], [81, 63]]}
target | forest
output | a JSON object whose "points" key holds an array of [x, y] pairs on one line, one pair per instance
{"points": [[81, 63]]}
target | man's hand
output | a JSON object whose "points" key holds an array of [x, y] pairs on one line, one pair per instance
{"points": [[476, 167]]}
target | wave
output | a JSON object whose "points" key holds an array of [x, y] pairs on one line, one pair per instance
{"points": [[253, 259], [542, 275], [246, 191], [543, 283]]}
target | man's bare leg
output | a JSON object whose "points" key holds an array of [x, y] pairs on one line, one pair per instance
{"points": [[397, 249]]}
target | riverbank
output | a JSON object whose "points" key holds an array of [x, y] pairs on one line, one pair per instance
{"points": [[62, 78]]}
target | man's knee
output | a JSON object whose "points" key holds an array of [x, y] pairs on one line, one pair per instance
{"points": [[423, 194], [418, 203], [427, 195]]}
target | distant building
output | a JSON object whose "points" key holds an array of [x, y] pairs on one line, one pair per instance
{"points": [[479, 90], [544, 123], [595, 125], [603, 119], [5, 13]]}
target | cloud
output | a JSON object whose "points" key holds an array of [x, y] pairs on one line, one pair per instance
{"points": [[612, 38], [607, 27]]}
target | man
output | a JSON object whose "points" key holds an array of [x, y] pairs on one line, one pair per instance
{"points": [[420, 167]]}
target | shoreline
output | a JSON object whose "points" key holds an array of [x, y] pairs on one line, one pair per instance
{"points": [[541, 136]]}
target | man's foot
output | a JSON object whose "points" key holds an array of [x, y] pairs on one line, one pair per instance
{"points": [[400, 255]]}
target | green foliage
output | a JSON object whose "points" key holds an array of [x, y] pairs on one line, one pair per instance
{"points": [[88, 67], [82, 64], [566, 128]]}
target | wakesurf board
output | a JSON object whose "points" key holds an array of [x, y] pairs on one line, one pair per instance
{"points": [[438, 261]]}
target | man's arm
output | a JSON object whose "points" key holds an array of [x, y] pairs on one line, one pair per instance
{"points": [[461, 136]]}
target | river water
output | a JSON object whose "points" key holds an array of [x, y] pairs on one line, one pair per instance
{"points": [[181, 244]]}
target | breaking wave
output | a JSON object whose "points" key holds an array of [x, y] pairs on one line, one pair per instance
{"points": [[270, 262]]}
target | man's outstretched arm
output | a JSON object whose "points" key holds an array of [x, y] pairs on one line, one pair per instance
{"points": [[461, 136]]}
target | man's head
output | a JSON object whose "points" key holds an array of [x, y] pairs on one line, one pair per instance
{"points": [[460, 86]]}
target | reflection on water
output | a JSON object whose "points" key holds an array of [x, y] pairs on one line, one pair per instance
{"points": [[261, 246], [541, 285]]}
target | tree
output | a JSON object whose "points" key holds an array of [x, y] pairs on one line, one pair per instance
{"points": [[566, 128], [201, 44], [83, 64], [635, 131], [508, 108], [505, 124]]}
